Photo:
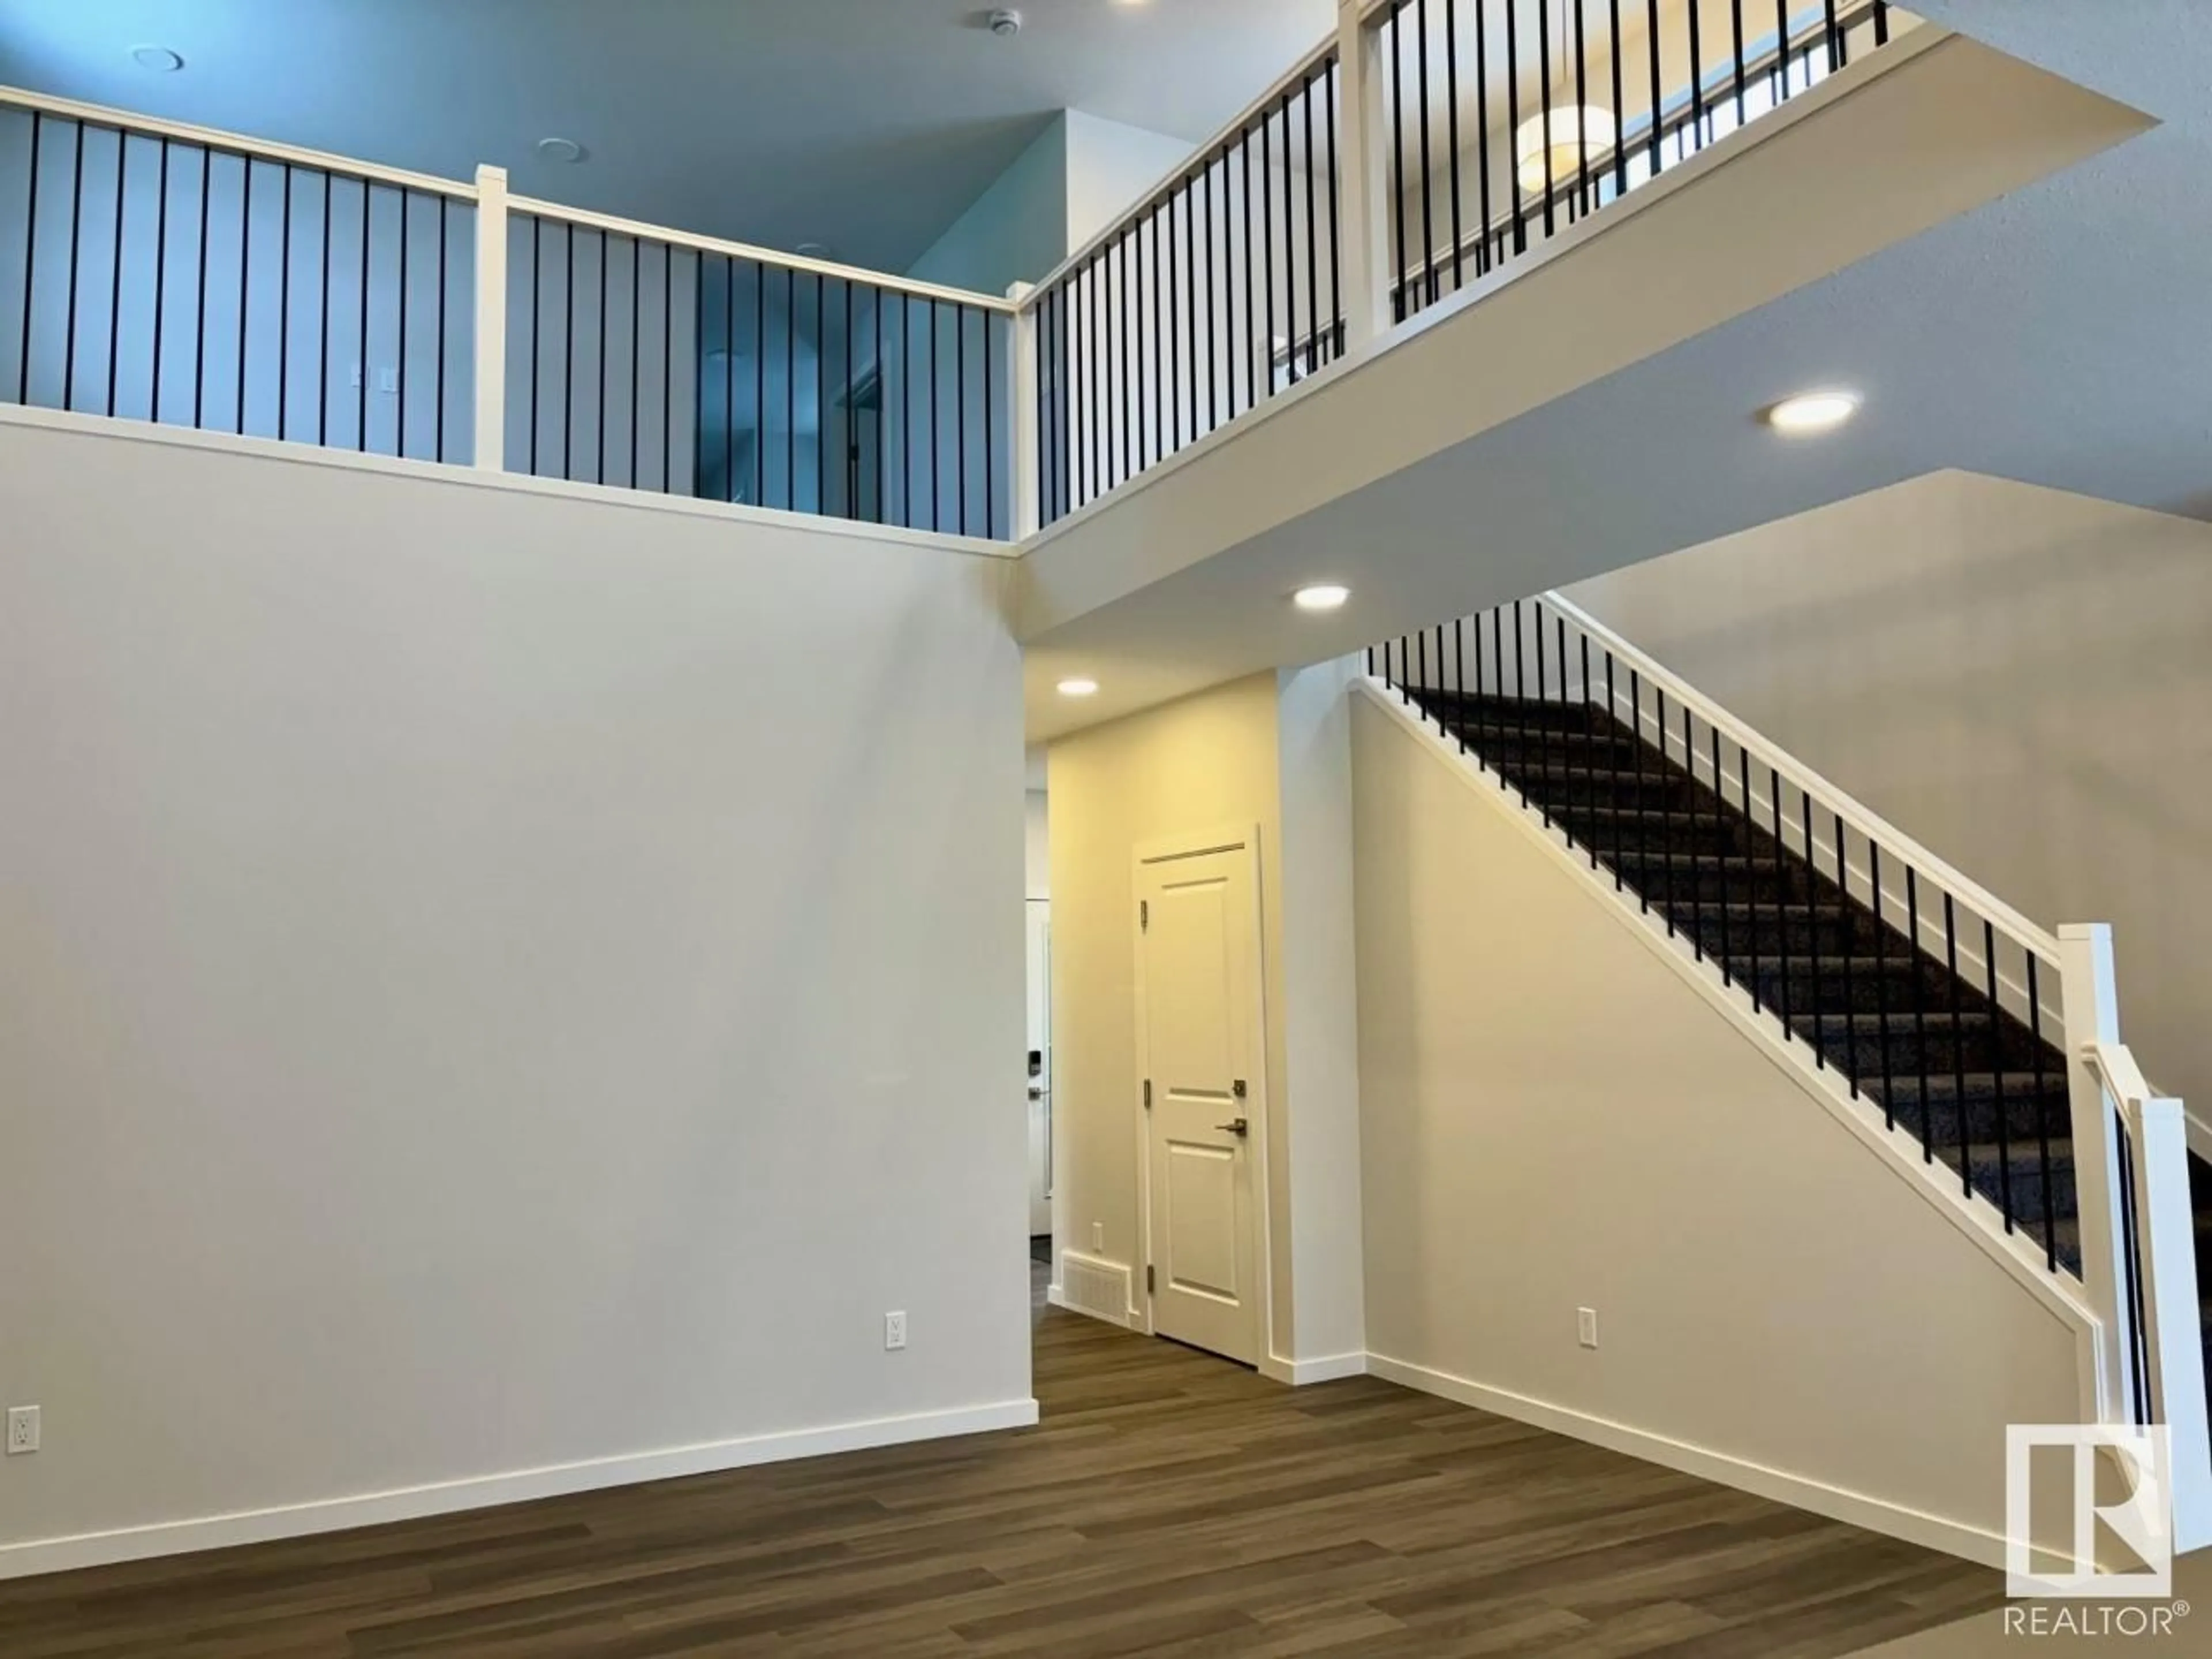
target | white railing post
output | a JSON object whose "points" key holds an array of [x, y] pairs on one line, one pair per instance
{"points": [[1364, 143], [2085, 966], [1022, 415], [2166, 1225], [491, 320]]}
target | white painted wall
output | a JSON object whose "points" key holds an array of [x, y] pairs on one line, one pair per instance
{"points": [[1554, 1117], [1320, 1009], [475, 994], [1110, 165], [2013, 675], [1017, 229]]}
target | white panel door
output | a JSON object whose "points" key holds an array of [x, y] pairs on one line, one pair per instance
{"points": [[1200, 1036], [1039, 1048]]}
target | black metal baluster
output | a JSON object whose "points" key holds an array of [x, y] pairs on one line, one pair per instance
{"points": [[1513, 191], [1812, 922], [1202, 205], [1651, 36], [1727, 885], [1959, 1038], [284, 314], [729, 375], [536, 306], [160, 279], [1620, 108], [1588, 685], [245, 278], [1920, 1015], [323, 360], [1399, 309], [1581, 127], [1835, 43], [821, 396], [1190, 294], [1451, 135], [1697, 78], [1336, 229], [668, 372], [1605, 733], [199, 292], [1782, 900], [1267, 250], [1483, 147], [990, 432], [960, 404], [1428, 166], [31, 264], [399, 357], [1313, 239], [76, 219], [937, 400], [2042, 1113], [1690, 765], [1751, 817], [1736, 25], [1851, 955], [1996, 1068], [1882, 981], [115, 283], [1544, 84], [636, 345], [361, 398], [444, 205], [1645, 856], [791, 390]]}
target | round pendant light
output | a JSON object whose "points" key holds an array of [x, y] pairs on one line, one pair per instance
{"points": [[1551, 148]]}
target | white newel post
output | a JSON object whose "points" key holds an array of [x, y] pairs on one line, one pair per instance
{"points": [[2085, 966], [1364, 143], [491, 320], [2168, 1232], [1022, 420]]}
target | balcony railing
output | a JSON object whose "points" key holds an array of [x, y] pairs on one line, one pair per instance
{"points": [[155, 271]]}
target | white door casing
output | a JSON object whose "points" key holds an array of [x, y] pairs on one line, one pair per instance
{"points": [[1200, 1039]]}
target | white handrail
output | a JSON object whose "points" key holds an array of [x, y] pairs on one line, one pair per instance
{"points": [[69, 109], [1972, 894], [1190, 169], [765, 256]]}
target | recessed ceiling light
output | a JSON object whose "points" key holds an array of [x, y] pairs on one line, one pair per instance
{"points": [[160, 59], [1812, 411], [567, 151], [1078, 687], [1321, 596]]}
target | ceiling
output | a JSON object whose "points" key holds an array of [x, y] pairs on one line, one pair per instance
{"points": [[866, 125], [2047, 336]]}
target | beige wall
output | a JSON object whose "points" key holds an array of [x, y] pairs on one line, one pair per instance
{"points": [[2016, 676], [478, 1003], [1554, 1117], [1195, 765]]}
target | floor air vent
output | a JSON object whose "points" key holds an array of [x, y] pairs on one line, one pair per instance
{"points": [[1092, 1286]]}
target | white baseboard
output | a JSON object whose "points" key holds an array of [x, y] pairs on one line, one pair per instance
{"points": [[1325, 1368], [482, 1492], [1856, 1508], [1131, 1321]]}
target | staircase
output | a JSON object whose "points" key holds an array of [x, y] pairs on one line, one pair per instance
{"points": [[1979, 1092]]}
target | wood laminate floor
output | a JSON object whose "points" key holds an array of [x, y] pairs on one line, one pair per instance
{"points": [[1169, 1503]]}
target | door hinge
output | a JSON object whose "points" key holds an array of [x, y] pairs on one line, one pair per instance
{"points": [[1144, 915], [1148, 1094], [1152, 1285]]}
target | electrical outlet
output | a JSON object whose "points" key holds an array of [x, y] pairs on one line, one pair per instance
{"points": [[894, 1331], [23, 1430], [1098, 1237], [1586, 1326]]}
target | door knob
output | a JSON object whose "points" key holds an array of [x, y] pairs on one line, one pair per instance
{"points": [[1238, 1126]]}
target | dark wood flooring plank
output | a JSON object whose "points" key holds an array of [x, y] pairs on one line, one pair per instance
{"points": [[1169, 1504]]}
